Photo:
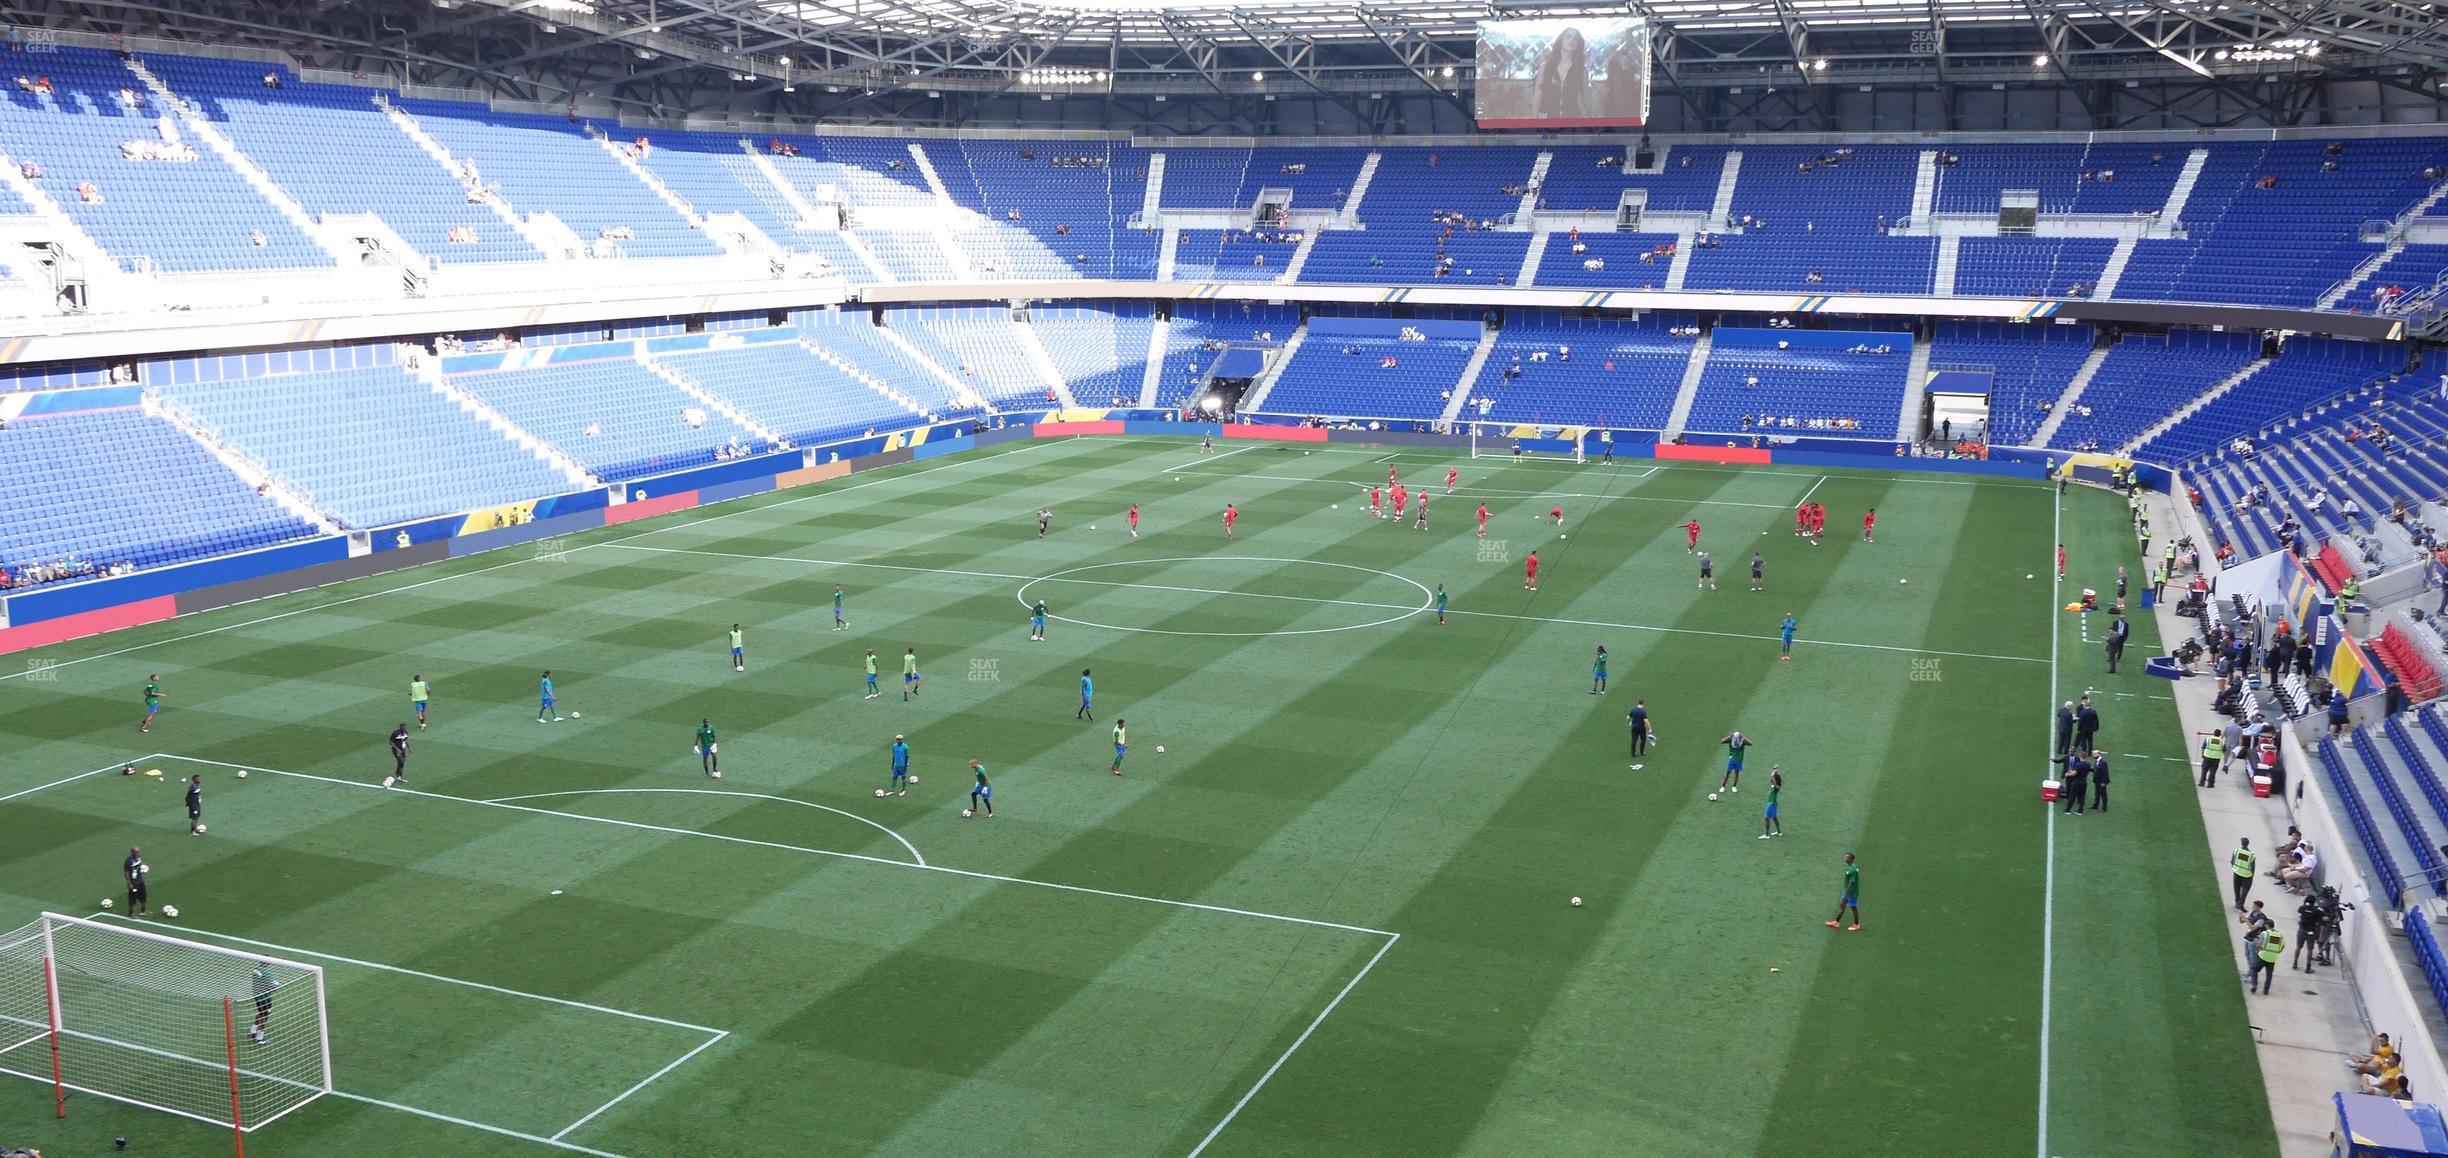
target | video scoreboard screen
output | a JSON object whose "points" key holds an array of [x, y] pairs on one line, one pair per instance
{"points": [[1581, 72]]}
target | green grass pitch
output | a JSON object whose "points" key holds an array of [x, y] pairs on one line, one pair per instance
{"points": [[1331, 918]]}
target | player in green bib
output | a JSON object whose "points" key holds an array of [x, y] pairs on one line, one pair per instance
{"points": [[1440, 604], [1776, 782], [909, 674], [152, 698], [1121, 746], [706, 758], [1037, 616], [872, 690], [417, 698], [1852, 896], [981, 796], [1598, 675], [739, 650], [838, 622]]}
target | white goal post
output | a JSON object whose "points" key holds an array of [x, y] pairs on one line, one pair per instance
{"points": [[231, 1038], [1506, 446]]}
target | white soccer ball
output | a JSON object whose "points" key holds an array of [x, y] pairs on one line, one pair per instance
{"points": [[879, 792], [386, 782], [1334, 506], [1576, 902], [2027, 575], [1712, 796], [573, 715], [242, 774], [1160, 747], [1092, 526], [1903, 580], [170, 910], [965, 813], [1563, 536], [106, 902], [718, 774], [146, 868]]}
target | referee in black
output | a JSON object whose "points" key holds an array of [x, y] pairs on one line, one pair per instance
{"points": [[399, 753], [134, 871], [195, 805], [260, 984], [1639, 719]]}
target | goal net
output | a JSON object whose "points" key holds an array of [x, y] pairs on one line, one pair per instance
{"points": [[201, 1031]]}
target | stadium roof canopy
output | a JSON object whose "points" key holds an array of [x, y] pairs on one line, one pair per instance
{"points": [[979, 58]]}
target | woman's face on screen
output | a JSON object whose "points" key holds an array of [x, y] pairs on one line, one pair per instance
{"points": [[1569, 45]]}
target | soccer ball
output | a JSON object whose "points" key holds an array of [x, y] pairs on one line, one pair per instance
{"points": [[1576, 902], [718, 774], [1334, 506], [2027, 575], [879, 792], [146, 868], [242, 774], [913, 779], [1903, 580], [386, 782], [966, 813], [1563, 536], [1160, 747], [573, 715], [1092, 526], [1712, 796], [170, 910], [106, 902]]}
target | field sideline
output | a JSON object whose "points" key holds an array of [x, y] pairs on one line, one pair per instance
{"points": [[1330, 919]]}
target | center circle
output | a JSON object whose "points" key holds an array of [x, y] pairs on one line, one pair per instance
{"points": [[1394, 614]]}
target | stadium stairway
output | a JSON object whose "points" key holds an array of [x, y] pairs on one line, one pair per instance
{"points": [[1255, 401], [712, 401], [1033, 348], [1916, 375], [555, 244], [856, 371], [2398, 231], [202, 129], [428, 370], [1690, 387], [2205, 398], [1151, 376], [250, 472]]}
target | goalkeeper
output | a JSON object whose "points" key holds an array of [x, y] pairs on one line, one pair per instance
{"points": [[261, 985]]}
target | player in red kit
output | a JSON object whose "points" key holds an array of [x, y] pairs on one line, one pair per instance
{"points": [[1134, 520], [1691, 537], [1377, 501], [1483, 520], [1555, 515], [2061, 560], [1389, 476], [1869, 524], [1451, 476], [1530, 572], [1231, 515], [1402, 499], [1801, 519]]}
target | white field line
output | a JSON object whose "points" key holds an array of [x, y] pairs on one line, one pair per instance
{"points": [[932, 868], [1213, 457], [2048, 891], [649, 1080], [488, 1128], [1364, 604], [1440, 454], [78, 776], [915, 857], [1297, 1042], [192, 635], [190, 931], [1814, 489], [1489, 492]]}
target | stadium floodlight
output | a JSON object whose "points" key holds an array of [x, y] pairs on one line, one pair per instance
{"points": [[204, 1032]]}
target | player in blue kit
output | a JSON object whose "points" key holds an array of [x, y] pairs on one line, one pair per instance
{"points": [[1785, 632], [1087, 708], [544, 697]]}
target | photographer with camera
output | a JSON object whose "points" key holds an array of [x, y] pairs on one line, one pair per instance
{"points": [[2310, 920]]}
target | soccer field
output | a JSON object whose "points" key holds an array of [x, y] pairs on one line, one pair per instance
{"points": [[1330, 918]]}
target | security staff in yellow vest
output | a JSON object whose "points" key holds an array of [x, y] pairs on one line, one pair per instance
{"points": [[2241, 861], [2213, 756], [2265, 959]]}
